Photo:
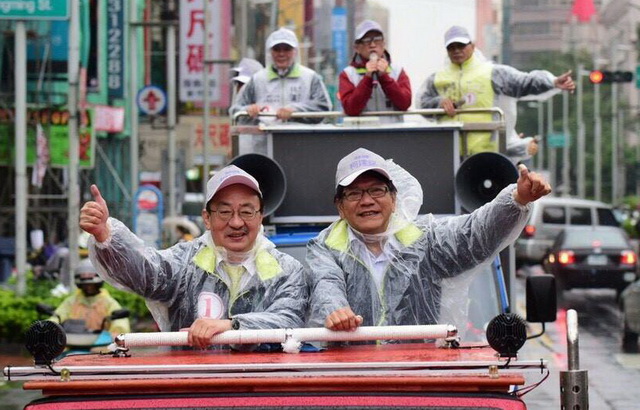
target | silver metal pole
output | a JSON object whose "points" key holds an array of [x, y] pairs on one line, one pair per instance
{"points": [[73, 200], [206, 98], [581, 137], [566, 157], [574, 383], [133, 94], [542, 141], [552, 150], [597, 142], [622, 177], [171, 117], [614, 143], [20, 42]]}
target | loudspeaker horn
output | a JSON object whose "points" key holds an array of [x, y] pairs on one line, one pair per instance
{"points": [[481, 177], [269, 175]]}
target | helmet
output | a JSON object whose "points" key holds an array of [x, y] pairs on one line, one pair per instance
{"points": [[86, 273]]}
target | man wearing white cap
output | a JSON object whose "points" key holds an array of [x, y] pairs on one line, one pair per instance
{"points": [[246, 68], [231, 277], [377, 267], [470, 81], [284, 86], [371, 82]]}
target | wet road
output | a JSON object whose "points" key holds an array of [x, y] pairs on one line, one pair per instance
{"points": [[614, 377]]}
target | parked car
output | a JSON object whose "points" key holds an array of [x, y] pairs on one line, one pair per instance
{"points": [[549, 216], [630, 305], [592, 257]]}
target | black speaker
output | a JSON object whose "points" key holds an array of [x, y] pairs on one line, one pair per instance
{"points": [[269, 175], [542, 303], [506, 334], [481, 177], [45, 340]]}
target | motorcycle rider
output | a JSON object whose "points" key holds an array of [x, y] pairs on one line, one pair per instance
{"points": [[90, 303]]}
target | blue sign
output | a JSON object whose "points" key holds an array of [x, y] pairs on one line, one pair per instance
{"points": [[115, 48], [151, 100], [339, 38]]}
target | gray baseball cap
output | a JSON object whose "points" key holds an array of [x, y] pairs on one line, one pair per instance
{"points": [[358, 162], [230, 175]]}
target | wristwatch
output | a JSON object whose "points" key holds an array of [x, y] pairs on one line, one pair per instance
{"points": [[235, 324]]}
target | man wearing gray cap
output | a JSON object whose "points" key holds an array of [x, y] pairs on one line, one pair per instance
{"points": [[371, 82], [470, 81], [284, 86], [378, 265], [231, 277]]}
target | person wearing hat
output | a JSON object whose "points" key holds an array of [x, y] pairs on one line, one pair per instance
{"points": [[284, 86], [90, 302], [379, 265], [231, 277], [470, 81], [371, 82], [243, 72]]}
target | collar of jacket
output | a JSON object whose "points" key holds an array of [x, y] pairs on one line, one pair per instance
{"points": [[338, 238], [267, 265], [470, 63], [294, 72]]}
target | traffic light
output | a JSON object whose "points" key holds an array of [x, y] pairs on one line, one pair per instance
{"points": [[606, 77]]}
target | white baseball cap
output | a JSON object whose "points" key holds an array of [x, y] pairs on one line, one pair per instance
{"points": [[365, 27], [230, 175], [456, 34], [358, 162], [282, 36], [245, 69]]}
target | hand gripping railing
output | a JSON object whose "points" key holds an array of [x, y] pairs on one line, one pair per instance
{"points": [[291, 338]]}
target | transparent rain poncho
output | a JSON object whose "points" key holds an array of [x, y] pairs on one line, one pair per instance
{"points": [[188, 280], [429, 261]]}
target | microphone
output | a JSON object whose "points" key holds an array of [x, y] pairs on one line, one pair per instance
{"points": [[373, 57]]}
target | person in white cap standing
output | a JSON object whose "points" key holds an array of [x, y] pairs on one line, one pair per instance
{"points": [[470, 81], [246, 68], [377, 266], [284, 86], [371, 82], [231, 277]]}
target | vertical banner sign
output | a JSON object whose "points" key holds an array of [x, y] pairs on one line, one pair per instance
{"points": [[339, 36], [192, 30], [115, 48]]}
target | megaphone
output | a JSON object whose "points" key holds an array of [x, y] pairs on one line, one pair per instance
{"points": [[481, 177], [269, 175]]}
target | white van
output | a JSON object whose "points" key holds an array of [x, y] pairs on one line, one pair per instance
{"points": [[550, 215]]}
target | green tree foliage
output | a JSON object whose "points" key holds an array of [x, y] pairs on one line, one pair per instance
{"points": [[558, 63]]}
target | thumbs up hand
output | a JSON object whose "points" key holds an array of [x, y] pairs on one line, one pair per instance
{"points": [[94, 215], [531, 186]]}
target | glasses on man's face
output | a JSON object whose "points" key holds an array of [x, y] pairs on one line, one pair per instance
{"points": [[374, 192], [225, 214], [368, 40]]}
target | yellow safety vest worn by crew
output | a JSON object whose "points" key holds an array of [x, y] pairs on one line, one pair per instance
{"points": [[92, 310], [470, 82]]}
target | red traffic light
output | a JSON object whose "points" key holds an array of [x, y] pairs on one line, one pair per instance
{"points": [[596, 76]]}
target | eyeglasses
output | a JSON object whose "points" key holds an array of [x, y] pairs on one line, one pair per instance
{"points": [[368, 40], [226, 214], [374, 192]]}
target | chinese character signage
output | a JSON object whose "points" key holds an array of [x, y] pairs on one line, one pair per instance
{"points": [[192, 65], [115, 48]]}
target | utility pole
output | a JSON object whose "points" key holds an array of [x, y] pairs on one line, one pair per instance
{"points": [[73, 200], [133, 94], [552, 150], [597, 142], [540, 154], [20, 42], [566, 157], [614, 143], [581, 137], [206, 98], [171, 104]]}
